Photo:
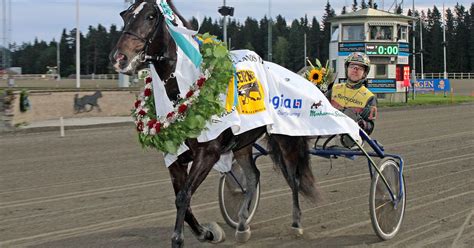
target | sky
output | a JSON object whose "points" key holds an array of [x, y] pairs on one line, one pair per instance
{"points": [[45, 19]]}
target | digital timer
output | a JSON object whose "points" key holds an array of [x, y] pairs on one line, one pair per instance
{"points": [[381, 49]]}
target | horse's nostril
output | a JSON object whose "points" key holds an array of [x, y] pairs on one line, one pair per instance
{"points": [[120, 56]]}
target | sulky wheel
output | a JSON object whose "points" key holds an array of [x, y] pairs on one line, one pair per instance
{"points": [[231, 196], [386, 216]]}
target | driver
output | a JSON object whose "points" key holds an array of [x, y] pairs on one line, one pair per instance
{"points": [[353, 98]]}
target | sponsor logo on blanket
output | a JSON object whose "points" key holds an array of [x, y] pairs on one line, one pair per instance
{"points": [[282, 102], [250, 91], [287, 106], [314, 112]]}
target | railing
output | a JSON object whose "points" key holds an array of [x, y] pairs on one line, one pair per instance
{"points": [[451, 75], [53, 76]]}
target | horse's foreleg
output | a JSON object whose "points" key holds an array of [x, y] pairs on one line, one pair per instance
{"points": [[252, 176], [179, 175], [204, 159]]}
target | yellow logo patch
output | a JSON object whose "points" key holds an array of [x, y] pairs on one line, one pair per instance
{"points": [[250, 93]]}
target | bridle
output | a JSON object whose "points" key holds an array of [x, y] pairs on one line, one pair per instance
{"points": [[144, 56]]}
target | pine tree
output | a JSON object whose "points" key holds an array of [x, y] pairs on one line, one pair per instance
{"points": [[296, 46], [314, 39], [461, 59], [450, 31], [280, 27], [354, 5], [233, 32], [370, 4], [250, 35], [280, 51], [434, 59], [423, 21], [399, 9], [66, 54], [326, 35], [263, 37]]}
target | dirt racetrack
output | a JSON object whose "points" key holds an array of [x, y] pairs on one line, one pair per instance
{"points": [[97, 188]]}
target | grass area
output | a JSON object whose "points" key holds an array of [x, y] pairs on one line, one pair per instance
{"points": [[429, 99]]}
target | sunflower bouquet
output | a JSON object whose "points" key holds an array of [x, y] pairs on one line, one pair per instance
{"points": [[320, 76]]}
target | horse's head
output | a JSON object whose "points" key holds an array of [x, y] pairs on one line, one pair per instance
{"points": [[98, 93], [144, 38]]}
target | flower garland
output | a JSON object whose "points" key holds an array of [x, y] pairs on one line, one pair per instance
{"points": [[320, 76], [190, 114]]}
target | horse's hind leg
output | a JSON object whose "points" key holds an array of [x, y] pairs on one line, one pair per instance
{"points": [[290, 154], [204, 158], [252, 176]]}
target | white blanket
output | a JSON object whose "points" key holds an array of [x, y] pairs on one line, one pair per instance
{"points": [[281, 100], [299, 108]]}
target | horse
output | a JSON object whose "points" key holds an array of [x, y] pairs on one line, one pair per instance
{"points": [[145, 39], [80, 103]]}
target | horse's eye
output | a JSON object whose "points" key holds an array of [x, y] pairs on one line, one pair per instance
{"points": [[150, 17]]}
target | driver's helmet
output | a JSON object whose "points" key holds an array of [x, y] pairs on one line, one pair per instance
{"points": [[360, 59]]}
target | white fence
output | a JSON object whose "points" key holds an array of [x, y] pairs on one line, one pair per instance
{"points": [[452, 75], [53, 76]]}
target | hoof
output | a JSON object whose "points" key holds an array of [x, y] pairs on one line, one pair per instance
{"points": [[297, 231], [242, 236], [217, 232]]}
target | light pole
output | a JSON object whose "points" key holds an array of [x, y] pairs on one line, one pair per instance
{"points": [[421, 49], [445, 75], [58, 60], [78, 48], [225, 11], [305, 55], [4, 35], [270, 24], [413, 69]]}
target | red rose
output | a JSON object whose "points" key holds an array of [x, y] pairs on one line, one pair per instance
{"points": [[170, 114], [201, 81], [147, 92], [142, 112], [151, 123], [148, 80], [182, 108], [140, 126], [158, 127], [189, 94], [137, 103]]}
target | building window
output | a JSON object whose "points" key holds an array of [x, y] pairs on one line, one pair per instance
{"points": [[381, 32], [353, 32], [402, 33], [335, 34], [380, 71]]}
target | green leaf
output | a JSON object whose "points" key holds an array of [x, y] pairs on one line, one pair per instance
{"points": [[208, 52], [200, 120], [318, 63], [220, 52], [170, 147]]}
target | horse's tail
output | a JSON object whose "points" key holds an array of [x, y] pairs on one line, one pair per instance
{"points": [[291, 155]]}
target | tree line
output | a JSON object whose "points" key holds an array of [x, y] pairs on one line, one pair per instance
{"points": [[287, 41]]}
